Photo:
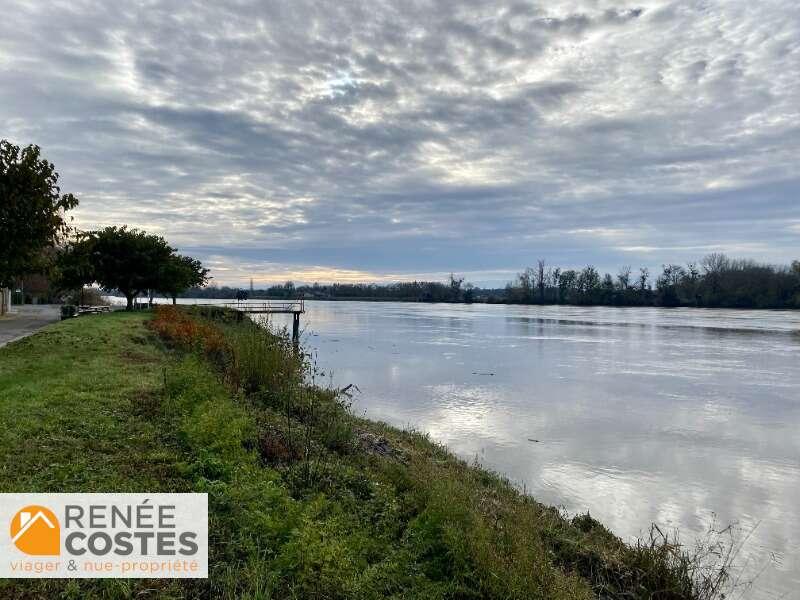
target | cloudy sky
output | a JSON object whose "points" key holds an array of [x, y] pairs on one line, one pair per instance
{"points": [[386, 140]]}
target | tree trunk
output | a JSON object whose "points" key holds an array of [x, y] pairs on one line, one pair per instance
{"points": [[174, 301], [130, 301]]}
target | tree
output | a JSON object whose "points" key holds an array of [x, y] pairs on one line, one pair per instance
{"points": [[714, 265], [566, 284], [624, 277], [31, 210], [180, 273], [540, 281], [73, 265], [128, 260], [469, 293], [668, 282], [588, 282], [454, 283], [644, 275], [527, 282], [555, 279], [671, 275]]}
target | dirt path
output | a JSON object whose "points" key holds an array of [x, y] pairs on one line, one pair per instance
{"points": [[24, 320]]}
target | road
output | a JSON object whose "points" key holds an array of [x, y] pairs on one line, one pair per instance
{"points": [[24, 320]]}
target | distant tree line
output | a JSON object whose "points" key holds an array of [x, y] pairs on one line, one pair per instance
{"points": [[716, 281], [453, 290]]}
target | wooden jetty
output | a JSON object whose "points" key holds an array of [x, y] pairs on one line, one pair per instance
{"points": [[271, 307]]}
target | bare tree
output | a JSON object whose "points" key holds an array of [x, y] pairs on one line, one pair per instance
{"points": [[644, 275], [540, 278], [714, 265], [692, 272], [624, 277]]}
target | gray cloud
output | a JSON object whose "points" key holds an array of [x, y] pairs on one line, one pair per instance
{"points": [[400, 138]]}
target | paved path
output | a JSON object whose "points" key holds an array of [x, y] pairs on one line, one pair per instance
{"points": [[24, 320]]}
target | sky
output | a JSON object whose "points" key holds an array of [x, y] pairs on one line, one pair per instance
{"points": [[385, 141]]}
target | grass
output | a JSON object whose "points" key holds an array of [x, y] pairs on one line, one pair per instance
{"points": [[306, 500]]}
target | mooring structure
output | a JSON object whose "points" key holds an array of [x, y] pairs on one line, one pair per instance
{"points": [[272, 307]]}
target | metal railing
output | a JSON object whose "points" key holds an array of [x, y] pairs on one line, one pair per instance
{"points": [[268, 306]]}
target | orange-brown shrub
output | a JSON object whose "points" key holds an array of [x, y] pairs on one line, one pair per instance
{"points": [[261, 363], [181, 330]]}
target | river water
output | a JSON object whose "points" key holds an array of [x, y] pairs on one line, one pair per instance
{"points": [[682, 417]]}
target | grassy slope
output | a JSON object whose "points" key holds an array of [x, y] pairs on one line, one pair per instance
{"points": [[73, 400], [306, 501]]}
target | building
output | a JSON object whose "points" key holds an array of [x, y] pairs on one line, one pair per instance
{"points": [[35, 288]]}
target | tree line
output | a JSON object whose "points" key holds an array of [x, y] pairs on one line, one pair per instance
{"points": [[37, 238], [453, 290], [412, 291], [716, 281]]}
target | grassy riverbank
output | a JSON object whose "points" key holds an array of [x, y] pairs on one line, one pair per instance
{"points": [[306, 500]]}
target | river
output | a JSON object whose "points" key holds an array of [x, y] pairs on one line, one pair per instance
{"points": [[682, 417]]}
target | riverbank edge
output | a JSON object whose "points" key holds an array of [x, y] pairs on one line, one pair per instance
{"points": [[334, 505]]}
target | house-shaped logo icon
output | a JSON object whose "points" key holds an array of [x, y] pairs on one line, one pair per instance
{"points": [[35, 530]]}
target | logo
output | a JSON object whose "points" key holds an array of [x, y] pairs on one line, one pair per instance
{"points": [[124, 535], [35, 531]]}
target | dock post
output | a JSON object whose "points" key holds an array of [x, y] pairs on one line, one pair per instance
{"points": [[295, 327]]}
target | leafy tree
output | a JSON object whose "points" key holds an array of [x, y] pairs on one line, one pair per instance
{"points": [[128, 260], [469, 293], [118, 258], [567, 284], [668, 284], [588, 282], [178, 274], [31, 210], [73, 265]]}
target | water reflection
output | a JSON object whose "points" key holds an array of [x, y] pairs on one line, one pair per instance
{"points": [[637, 415]]}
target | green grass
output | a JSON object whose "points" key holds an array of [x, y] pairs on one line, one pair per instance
{"points": [[306, 501]]}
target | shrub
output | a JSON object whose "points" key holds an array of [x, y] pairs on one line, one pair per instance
{"points": [[179, 329]]}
